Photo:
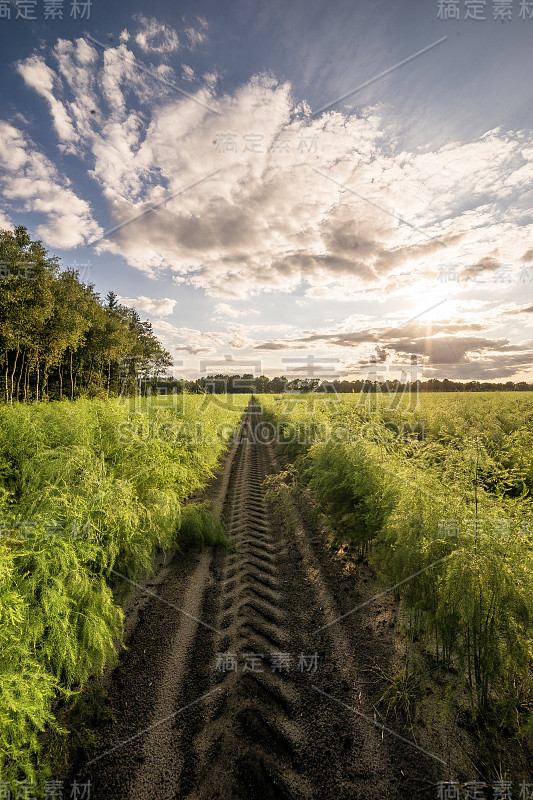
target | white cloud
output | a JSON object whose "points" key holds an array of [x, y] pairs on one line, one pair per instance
{"points": [[197, 34], [162, 308], [268, 222], [40, 77], [5, 222], [188, 73], [155, 37], [27, 175], [211, 78], [224, 309], [194, 36], [189, 340]]}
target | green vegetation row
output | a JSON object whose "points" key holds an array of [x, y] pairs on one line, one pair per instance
{"points": [[438, 497], [89, 491], [495, 429]]}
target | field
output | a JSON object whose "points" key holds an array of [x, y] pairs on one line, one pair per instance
{"points": [[390, 537]]}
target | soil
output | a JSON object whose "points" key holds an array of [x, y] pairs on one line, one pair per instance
{"points": [[238, 679]]}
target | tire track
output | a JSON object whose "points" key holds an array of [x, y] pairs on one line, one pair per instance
{"points": [[251, 734]]}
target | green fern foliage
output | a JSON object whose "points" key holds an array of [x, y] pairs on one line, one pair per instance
{"points": [[439, 497], [89, 492]]}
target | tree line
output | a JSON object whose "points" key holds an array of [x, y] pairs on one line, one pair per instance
{"points": [[237, 384], [59, 339]]}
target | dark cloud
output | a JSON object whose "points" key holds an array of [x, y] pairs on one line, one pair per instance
{"points": [[523, 310], [446, 349], [493, 368], [452, 349], [483, 267], [193, 351], [287, 345]]}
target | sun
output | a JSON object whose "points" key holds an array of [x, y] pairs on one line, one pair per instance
{"points": [[436, 305]]}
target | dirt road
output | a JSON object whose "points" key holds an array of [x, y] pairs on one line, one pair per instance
{"points": [[227, 690]]}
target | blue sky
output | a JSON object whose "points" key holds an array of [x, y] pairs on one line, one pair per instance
{"points": [[394, 223]]}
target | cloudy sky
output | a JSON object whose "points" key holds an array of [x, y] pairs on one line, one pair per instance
{"points": [[293, 188]]}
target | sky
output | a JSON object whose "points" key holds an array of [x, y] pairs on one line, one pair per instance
{"points": [[285, 188]]}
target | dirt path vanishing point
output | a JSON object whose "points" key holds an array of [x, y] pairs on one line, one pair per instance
{"points": [[220, 693]]}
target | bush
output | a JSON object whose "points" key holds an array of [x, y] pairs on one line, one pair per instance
{"points": [[200, 526]]}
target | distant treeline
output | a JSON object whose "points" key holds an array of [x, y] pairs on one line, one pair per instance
{"points": [[59, 339], [236, 384]]}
